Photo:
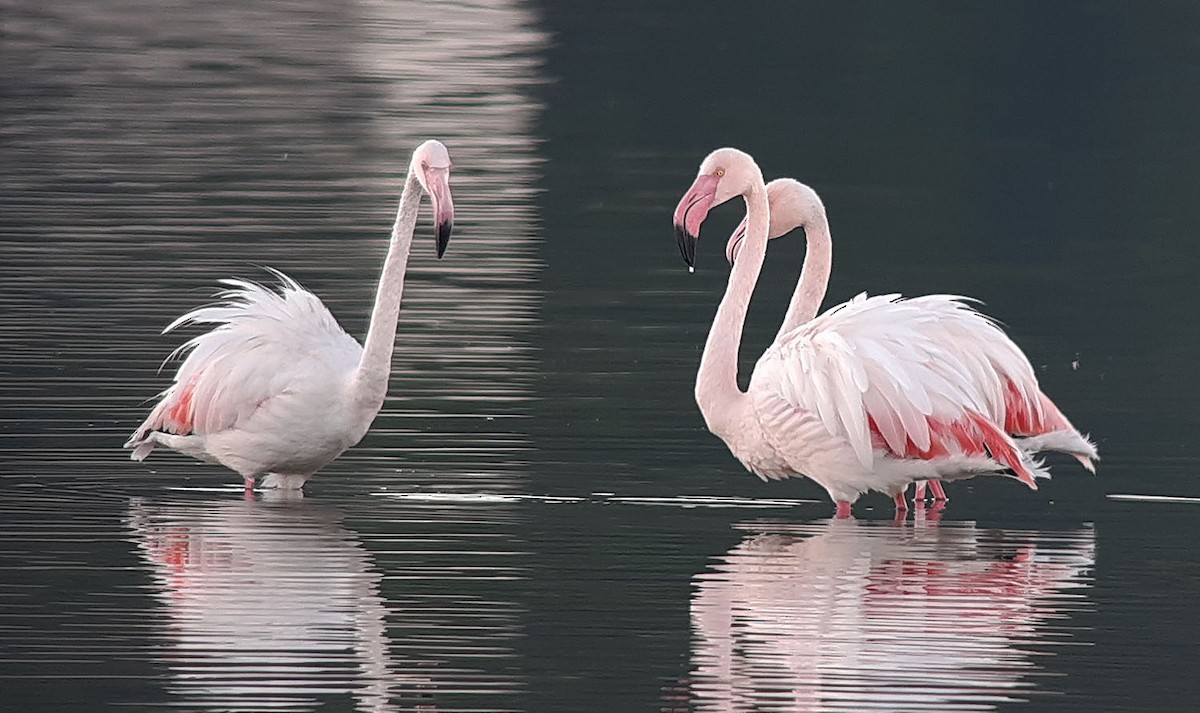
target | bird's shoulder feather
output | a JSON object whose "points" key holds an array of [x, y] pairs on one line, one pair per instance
{"points": [[892, 365]]}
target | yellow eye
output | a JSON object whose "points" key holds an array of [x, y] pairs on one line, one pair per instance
{"points": [[720, 172]]}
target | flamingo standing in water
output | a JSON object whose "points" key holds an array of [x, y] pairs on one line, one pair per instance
{"points": [[795, 205], [873, 394], [278, 388]]}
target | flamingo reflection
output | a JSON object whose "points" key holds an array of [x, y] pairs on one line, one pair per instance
{"points": [[268, 605], [850, 615]]}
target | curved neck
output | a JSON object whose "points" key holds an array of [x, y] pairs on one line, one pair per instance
{"points": [[814, 276], [717, 391], [371, 377]]}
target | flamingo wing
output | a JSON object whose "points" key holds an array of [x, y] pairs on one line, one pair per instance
{"points": [[905, 377], [266, 345]]}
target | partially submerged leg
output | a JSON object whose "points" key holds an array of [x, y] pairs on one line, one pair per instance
{"points": [[919, 491], [939, 494], [283, 481], [843, 510], [932, 515]]}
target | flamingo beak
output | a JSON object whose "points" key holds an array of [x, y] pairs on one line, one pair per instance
{"points": [[735, 242], [438, 181], [690, 214], [687, 247]]}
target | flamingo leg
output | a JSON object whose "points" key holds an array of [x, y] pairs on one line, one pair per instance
{"points": [[901, 503], [931, 515], [843, 510], [248, 493], [919, 491], [939, 494]]}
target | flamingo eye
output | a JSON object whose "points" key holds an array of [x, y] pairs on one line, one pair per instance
{"points": [[720, 172]]}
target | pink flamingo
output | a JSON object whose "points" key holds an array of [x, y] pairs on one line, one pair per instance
{"points": [[278, 388], [794, 205], [873, 394]]}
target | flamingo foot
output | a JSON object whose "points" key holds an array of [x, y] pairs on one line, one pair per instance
{"points": [[843, 510], [939, 494]]}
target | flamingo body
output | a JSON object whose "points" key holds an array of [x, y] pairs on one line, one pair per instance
{"points": [[881, 391], [277, 388], [266, 390], [873, 394]]}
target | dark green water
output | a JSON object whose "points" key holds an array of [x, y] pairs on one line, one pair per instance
{"points": [[538, 520]]}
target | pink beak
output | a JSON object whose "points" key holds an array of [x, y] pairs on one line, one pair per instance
{"points": [[690, 214], [443, 206]]}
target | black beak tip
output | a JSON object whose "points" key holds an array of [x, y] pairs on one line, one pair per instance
{"points": [[687, 245], [443, 237]]}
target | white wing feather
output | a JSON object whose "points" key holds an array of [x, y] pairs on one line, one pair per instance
{"points": [[264, 344], [900, 363]]}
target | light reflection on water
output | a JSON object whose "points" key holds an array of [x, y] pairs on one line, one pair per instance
{"points": [[268, 606], [851, 615], [278, 606], [202, 141], [151, 148]]}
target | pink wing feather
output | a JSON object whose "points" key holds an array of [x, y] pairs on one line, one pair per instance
{"points": [[918, 378]]}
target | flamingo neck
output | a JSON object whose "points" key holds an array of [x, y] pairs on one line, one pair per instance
{"points": [[814, 276], [371, 378], [717, 391]]}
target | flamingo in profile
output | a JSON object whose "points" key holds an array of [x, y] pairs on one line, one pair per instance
{"points": [[873, 394], [277, 389], [795, 205]]}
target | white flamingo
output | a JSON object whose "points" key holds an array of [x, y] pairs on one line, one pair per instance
{"points": [[278, 388], [874, 393]]}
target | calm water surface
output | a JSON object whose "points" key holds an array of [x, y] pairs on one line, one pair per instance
{"points": [[538, 520]]}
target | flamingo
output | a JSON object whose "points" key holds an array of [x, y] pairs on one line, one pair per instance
{"points": [[795, 205], [873, 394], [277, 389]]}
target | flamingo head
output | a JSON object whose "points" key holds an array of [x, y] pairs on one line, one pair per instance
{"points": [[431, 164], [723, 174], [792, 204]]}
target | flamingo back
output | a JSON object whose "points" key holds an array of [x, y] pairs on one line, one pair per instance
{"points": [[917, 378], [265, 345]]}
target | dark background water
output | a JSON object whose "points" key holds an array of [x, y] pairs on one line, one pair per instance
{"points": [[538, 519]]}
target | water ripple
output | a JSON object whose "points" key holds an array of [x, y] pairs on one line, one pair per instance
{"points": [[850, 615], [279, 606], [201, 141]]}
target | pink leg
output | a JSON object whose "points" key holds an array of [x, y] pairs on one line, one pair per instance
{"points": [[939, 495], [919, 492], [248, 493], [932, 515], [843, 510], [901, 503]]}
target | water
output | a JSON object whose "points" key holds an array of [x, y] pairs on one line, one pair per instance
{"points": [[538, 519]]}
